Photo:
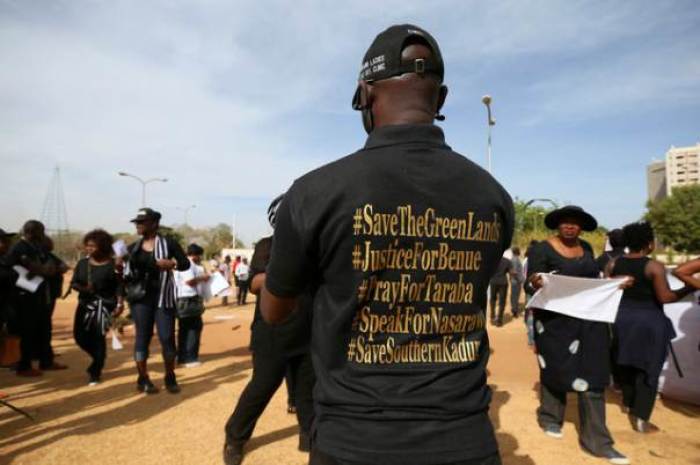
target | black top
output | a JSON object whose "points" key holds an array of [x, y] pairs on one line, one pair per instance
{"points": [[104, 279], [643, 287], [573, 354], [290, 338], [23, 252], [8, 278], [501, 274], [143, 263], [603, 260], [398, 241], [545, 259]]}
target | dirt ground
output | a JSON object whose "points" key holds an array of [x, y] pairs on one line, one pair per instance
{"points": [[112, 424]]}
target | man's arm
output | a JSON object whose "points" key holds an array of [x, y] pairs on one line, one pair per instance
{"points": [[290, 268], [275, 309]]}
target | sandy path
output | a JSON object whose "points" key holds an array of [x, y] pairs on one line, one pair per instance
{"points": [[111, 424]]}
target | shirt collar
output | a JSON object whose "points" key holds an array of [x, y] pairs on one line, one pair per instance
{"points": [[405, 134]]}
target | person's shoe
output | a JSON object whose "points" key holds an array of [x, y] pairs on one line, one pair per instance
{"points": [[29, 373], [146, 386], [553, 431], [94, 380], [171, 383], [194, 364], [233, 453], [304, 442], [639, 425], [55, 367], [613, 456]]}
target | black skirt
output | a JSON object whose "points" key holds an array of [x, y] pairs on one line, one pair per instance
{"points": [[573, 354], [643, 333]]}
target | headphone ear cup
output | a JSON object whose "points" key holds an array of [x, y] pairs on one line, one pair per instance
{"points": [[356, 104]]}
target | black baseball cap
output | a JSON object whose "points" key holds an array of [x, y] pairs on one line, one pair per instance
{"points": [[6, 235], [146, 214], [383, 58]]}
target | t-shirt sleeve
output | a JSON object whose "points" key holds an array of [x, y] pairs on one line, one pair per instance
{"points": [[79, 275], [290, 266], [508, 221], [261, 256], [537, 260], [176, 252]]}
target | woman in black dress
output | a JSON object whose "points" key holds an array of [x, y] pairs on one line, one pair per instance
{"points": [[574, 354], [150, 290], [99, 299], [642, 330]]}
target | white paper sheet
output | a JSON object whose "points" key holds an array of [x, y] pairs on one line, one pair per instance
{"points": [[585, 298], [30, 285], [120, 249], [217, 284], [116, 343]]}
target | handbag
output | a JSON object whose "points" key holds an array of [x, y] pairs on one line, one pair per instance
{"points": [[189, 306], [98, 316]]}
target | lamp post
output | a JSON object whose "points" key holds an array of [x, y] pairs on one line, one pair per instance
{"points": [[486, 100], [186, 211], [143, 184]]}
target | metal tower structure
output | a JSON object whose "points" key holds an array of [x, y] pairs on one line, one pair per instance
{"points": [[54, 215]]}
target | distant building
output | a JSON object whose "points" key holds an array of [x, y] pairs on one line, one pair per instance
{"points": [[656, 180], [682, 167]]}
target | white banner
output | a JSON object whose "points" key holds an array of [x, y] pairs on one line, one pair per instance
{"points": [[584, 298], [685, 316]]}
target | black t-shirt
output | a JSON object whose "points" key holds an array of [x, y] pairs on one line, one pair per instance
{"points": [[104, 279], [23, 252], [501, 274], [399, 241], [289, 338]]}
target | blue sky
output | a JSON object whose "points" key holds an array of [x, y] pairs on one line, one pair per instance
{"points": [[234, 100]]}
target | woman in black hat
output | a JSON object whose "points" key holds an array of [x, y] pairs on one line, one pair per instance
{"points": [[642, 330], [150, 290], [574, 354]]}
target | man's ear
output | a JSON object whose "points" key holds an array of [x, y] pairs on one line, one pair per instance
{"points": [[366, 94], [442, 95]]}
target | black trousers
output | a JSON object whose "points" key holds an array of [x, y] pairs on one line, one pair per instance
{"points": [[92, 341], [242, 291], [291, 382], [594, 435], [637, 394], [498, 292], [268, 373], [189, 333], [34, 318], [321, 458]]}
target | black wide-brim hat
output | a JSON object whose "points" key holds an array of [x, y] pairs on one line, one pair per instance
{"points": [[553, 218]]}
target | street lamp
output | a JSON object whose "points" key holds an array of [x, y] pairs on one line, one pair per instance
{"points": [[186, 210], [486, 100], [143, 184]]}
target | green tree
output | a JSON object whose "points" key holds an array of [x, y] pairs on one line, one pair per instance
{"points": [[676, 219]]}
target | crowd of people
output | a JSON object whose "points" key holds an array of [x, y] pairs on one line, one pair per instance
{"points": [[372, 294]]}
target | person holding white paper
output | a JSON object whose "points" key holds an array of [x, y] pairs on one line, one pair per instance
{"points": [[34, 308], [190, 307], [573, 354], [642, 331]]}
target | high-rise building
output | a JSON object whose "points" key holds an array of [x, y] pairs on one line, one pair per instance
{"points": [[682, 167], [656, 180]]}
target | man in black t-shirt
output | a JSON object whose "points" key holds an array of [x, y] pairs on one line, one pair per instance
{"points": [[399, 241]]}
